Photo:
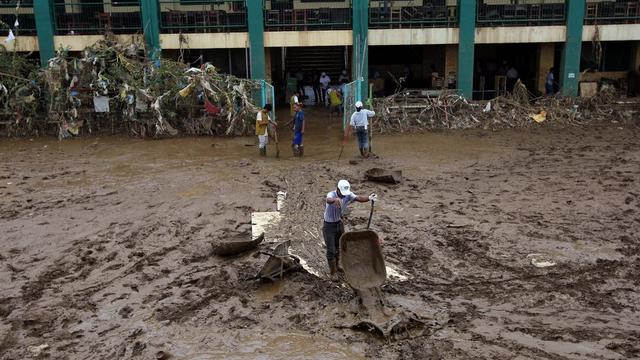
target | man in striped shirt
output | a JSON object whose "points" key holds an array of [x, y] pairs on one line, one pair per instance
{"points": [[335, 207]]}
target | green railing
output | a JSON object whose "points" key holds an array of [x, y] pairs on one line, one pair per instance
{"points": [[9, 11], [283, 15], [431, 14], [97, 17], [189, 16], [619, 12], [520, 14]]}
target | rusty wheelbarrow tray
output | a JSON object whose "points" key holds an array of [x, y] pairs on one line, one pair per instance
{"points": [[362, 260], [383, 175], [237, 245]]}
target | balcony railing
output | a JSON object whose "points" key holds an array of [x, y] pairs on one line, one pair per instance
{"points": [[613, 12], [97, 17], [282, 16], [26, 20], [382, 15], [193, 16], [520, 14]]}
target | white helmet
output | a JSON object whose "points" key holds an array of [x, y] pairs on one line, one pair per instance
{"points": [[358, 104]]}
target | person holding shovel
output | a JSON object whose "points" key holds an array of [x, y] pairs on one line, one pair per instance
{"points": [[360, 123], [298, 130], [262, 122], [336, 205]]}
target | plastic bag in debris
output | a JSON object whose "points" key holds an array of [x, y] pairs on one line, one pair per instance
{"points": [[141, 105], [487, 107], [101, 104], [542, 116], [186, 91]]}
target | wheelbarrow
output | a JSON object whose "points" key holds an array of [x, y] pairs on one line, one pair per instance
{"points": [[279, 262], [362, 260], [383, 175]]}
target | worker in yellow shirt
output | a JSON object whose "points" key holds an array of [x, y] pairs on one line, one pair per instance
{"points": [[335, 102], [262, 122]]}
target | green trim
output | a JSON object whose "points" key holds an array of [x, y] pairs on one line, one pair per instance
{"points": [[466, 44], [360, 56], [151, 26], [255, 22], [44, 29], [570, 67]]}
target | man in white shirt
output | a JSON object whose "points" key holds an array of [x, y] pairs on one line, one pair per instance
{"points": [[325, 80], [335, 207], [360, 123]]}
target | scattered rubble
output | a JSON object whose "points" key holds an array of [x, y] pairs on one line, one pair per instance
{"points": [[415, 110], [116, 87]]}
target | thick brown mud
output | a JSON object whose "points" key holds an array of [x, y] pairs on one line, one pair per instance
{"points": [[106, 247]]}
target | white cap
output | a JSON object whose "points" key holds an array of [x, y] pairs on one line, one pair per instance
{"points": [[358, 104], [344, 187]]}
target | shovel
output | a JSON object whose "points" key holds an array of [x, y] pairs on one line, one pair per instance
{"points": [[275, 136]]}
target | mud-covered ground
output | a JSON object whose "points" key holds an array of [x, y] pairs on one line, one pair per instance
{"points": [[106, 247]]}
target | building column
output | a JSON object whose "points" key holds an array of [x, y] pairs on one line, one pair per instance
{"points": [[151, 27], [255, 20], [570, 69], [466, 44], [636, 61], [360, 57], [546, 54], [43, 11]]}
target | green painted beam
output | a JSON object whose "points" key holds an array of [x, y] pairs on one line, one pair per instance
{"points": [[43, 12], [466, 46], [360, 55], [255, 20], [570, 67], [151, 27]]}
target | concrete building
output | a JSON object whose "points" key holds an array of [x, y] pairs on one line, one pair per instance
{"points": [[462, 44]]}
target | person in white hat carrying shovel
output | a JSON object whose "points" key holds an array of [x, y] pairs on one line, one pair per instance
{"points": [[360, 123], [336, 205]]}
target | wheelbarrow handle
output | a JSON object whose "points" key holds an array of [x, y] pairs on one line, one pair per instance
{"points": [[370, 214]]}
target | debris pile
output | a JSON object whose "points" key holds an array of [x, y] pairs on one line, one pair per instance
{"points": [[415, 110], [114, 86]]}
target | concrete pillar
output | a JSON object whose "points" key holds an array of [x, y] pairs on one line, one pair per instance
{"points": [[466, 44], [360, 58], [43, 11], [255, 20], [151, 27], [546, 52], [570, 69], [636, 62]]}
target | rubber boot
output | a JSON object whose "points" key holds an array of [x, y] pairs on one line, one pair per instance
{"points": [[301, 150], [263, 151], [333, 269], [339, 265]]}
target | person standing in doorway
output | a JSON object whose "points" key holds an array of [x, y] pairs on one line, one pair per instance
{"points": [[325, 80], [548, 85], [262, 122], [360, 124], [315, 82], [512, 78], [336, 204]]}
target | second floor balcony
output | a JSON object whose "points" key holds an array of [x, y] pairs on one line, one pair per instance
{"points": [[302, 15], [97, 17], [520, 13], [412, 14]]}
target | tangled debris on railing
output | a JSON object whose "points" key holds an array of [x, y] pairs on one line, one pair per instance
{"points": [[115, 87], [415, 110]]}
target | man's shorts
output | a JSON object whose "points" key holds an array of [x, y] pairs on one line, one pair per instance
{"points": [[363, 137], [297, 138]]}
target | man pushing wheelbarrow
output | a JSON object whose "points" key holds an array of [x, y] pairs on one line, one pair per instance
{"points": [[336, 204]]}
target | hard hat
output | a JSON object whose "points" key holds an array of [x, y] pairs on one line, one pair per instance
{"points": [[344, 187]]}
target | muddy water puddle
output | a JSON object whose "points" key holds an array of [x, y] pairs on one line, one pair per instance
{"points": [[285, 346]]}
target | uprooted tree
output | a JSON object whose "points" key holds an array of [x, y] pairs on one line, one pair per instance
{"points": [[117, 87]]}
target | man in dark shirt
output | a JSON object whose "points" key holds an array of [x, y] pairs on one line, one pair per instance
{"points": [[298, 130]]}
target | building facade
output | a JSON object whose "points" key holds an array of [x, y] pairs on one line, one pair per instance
{"points": [[463, 44]]}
